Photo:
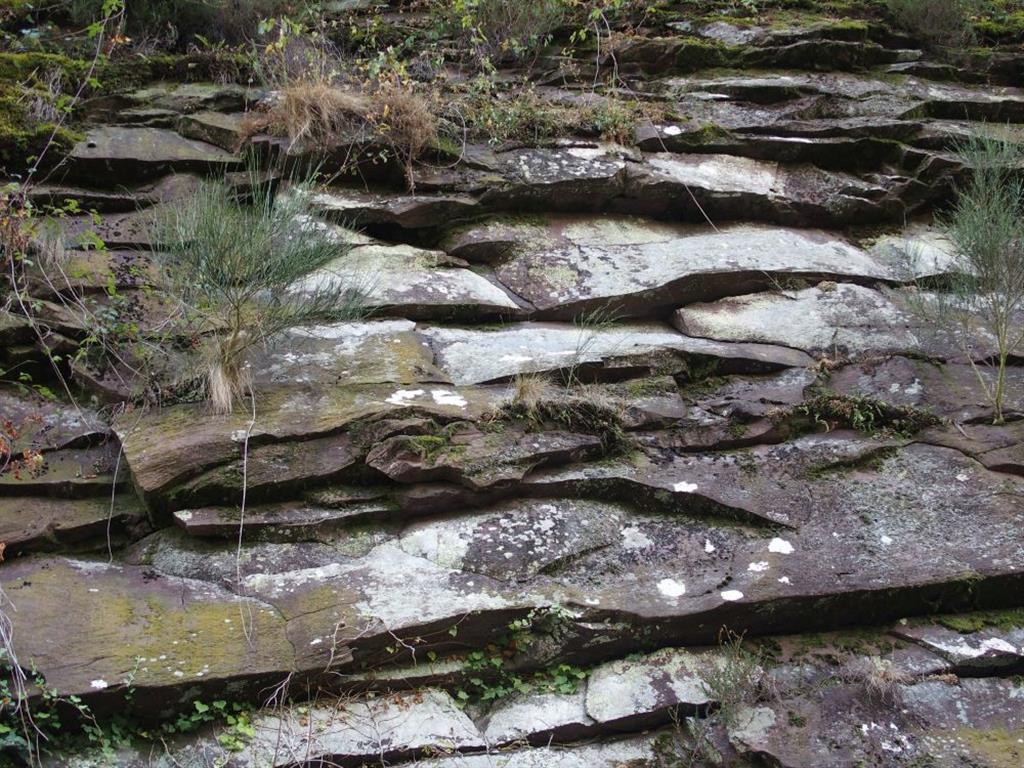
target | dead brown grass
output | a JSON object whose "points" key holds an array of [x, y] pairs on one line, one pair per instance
{"points": [[408, 124], [316, 114], [322, 115]]}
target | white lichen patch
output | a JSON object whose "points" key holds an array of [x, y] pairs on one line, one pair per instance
{"points": [[634, 538], [684, 487], [780, 546], [708, 546], [446, 397], [404, 397], [671, 588], [758, 567], [99, 685], [783, 580], [731, 595]]}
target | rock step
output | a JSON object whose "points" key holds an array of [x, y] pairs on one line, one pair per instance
{"points": [[904, 679], [627, 577], [566, 266]]}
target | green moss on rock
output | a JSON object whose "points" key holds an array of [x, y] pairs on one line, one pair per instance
{"points": [[974, 622]]}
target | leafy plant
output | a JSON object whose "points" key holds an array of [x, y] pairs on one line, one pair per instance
{"points": [[237, 265], [863, 413], [503, 32]]}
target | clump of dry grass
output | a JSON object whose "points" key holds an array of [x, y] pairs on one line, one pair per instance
{"points": [[528, 391], [321, 114], [406, 121], [881, 680], [317, 114]]}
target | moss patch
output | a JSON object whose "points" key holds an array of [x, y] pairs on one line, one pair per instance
{"points": [[974, 622], [998, 747]]}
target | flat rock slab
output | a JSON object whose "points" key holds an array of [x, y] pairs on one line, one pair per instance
{"points": [[984, 652], [413, 283], [639, 693], [862, 543], [478, 459], [372, 352], [567, 265], [833, 320], [45, 425], [851, 94], [116, 155], [281, 521], [516, 541], [754, 485], [217, 128], [362, 209], [470, 355], [29, 523], [68, 473], [540, 718], [91, 629], [354, 733], [175, 445], [723, 187], [973, 721]]}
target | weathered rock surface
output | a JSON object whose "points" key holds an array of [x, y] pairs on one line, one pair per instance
{"points": [[129, 626], [136, 154], [374, 352], [585, 505], [472, 356], [564, 266], [414, 283], [835, 320]]}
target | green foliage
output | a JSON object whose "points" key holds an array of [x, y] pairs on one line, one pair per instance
{"points": [[489, 672], [939, 24], [864, 413], [975, 622], [502, 32], [238, 264], [986, 227], [182, 21]]}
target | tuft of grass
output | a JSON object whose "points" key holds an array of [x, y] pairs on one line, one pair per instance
{"points": [[574, 410], [236, 265], [881, 680], [320, 114], [314, 113]]}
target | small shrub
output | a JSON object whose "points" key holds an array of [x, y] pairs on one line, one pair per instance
{"points": [[986, 227], [736, 678], [943, 24], [236, 264], [501, 32]]}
